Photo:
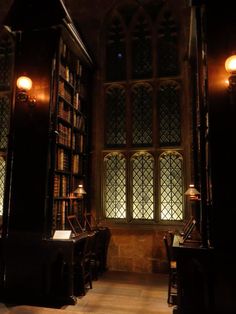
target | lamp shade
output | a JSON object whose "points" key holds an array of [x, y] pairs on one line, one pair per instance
{"points": [[230, 64], [80, 190], [192, 192], [24, 83]]}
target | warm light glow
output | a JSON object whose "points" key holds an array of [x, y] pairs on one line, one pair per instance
{"points": [[227, 82], [80, 190], [192, 192], [230, 64], [24, 83]]}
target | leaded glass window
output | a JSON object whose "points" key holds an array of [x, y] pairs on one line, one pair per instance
{"points": [[4, 121], [6, 55], [142, 115], [2, 182], [167, 52], [6, 61], [116, 51], [142, 186], [115, 186], [171, 186], [141, 49], [115, 116], [168, 101]]}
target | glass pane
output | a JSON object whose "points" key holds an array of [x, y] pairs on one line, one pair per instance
{"points": [[4, 121], [115, 186], [2, 182], [142, 115], [141, 50], [169, 115], [171, 186], [6, 57], [116, 53], [142, 188], [6, 61], [167, 52], [115, 117]]}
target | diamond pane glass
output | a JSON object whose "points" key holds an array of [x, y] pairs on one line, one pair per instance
{"points": [[167, 52], [115, 186], [142, 187], [141, 50], [2, 182], [4, 121], [171, 186], [6, 57], [142, 115], [115, 117], [169, 114], [116, 53]]}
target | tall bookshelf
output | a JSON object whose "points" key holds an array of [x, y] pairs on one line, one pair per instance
{"points": [[71, 131], [47, 155]]}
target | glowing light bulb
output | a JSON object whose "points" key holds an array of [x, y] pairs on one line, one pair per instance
{"points": [[24, 83]]}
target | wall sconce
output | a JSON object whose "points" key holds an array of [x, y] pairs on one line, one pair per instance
{"points": [[80, 191], [230, 67], [193, 193], [24, 85]]}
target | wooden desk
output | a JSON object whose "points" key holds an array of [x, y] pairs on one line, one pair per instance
{"points": [[195, 277], [59, 265]]}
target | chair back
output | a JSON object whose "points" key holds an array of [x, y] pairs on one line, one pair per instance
{"points": [[168, 241]]}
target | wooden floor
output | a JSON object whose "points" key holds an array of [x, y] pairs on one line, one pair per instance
{"points": [[113, 293]]}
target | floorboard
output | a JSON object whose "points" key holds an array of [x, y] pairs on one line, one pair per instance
{"points": [[112, 293]]}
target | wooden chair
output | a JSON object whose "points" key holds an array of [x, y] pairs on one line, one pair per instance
{"points": [[83, 267], [172, 269]]}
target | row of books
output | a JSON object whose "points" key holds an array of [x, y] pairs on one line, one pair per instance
{"points": [[64, 136], [60, 211], [79, 122], [65, 92], [63, 161], [61, 185], [78, 142], [64, 111]]}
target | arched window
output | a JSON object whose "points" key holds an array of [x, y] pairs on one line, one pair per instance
{"points": [[143, 113], [142, 169], [2, 181], [171, 186], [6, 65], [142, 96], [115, 131], [168, 102], [167, 48], [115, 186], [141, 49], [115, 51]]}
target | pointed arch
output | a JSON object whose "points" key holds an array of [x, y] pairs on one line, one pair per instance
{"points": [[115, 49], [142, 111], [168, 102], [167, 45], [171, 185], [142, 172], [115, 116], [6, 79], [115, 186], [141, 46]]}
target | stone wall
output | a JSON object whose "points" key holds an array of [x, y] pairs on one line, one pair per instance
{"points": [[139, 251]]}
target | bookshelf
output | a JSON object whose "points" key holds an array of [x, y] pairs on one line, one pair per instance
{"points": [[49, 138], [71, 144], [48, 154]]}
